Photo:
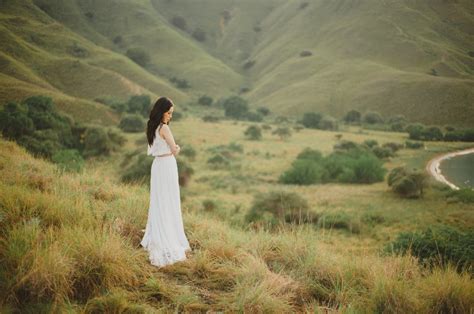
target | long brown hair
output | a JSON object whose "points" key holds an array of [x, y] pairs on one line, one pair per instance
{"points": [[162, 105]]}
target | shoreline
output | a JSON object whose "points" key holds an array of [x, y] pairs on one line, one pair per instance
{"points": [[433, 166]]}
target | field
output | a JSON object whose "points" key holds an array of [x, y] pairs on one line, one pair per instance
{"points": [[51, 215]]}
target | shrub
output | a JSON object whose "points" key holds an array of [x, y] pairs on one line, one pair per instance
{"points": [[328, 123], [432, 134], [345, 145], [68, 160], [189, 152], [414, 145], [199, 35], [415, 131], [235, 107], [303, 172], [140, 104], [248, 64], [352, 116], [264, 111], [205, 100], [371, 143], [460, 135], [393, 146], [139, 56], [282, 132], [253, 132], [180, 83], [14, 121], [281, 207], [437, 245], [132, 123], [139, 171], [339, 220], [311, 120], [99, 141], [218, 161], [254, 116], [209, 118], [372, 117], [306, 53], [409, 184], [382, 152], [179, 22]]}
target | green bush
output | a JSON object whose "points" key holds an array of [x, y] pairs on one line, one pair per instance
{"points": [[415, 131], [253, 132], [372, 117], [351, 165], [328, 123], [218, 161], [393, 146], [199, 35], [303, 172], [352, 116], [311, 120], [205, 100], [277, 207], [209, 118], [99, 141], [282, 132], [235, 107], [14, 121], [188, 151], [179, 22], [132, 123], [254, 116], [139, 171], [139, 56], [382, 152], [264, 111], [414, 145], [140, 104], [339, 220], [407, 183], [371, 143], [68, 160], [437, 245]]}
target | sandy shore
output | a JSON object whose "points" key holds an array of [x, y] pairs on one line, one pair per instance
{"points": [[433, 165]]}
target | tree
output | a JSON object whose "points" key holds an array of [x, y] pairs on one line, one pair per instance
{"points": [[235, 107], [14, 121], [205, 100], [179, 22], [132, 123], [140, 104], [282, 132], [352, 116], [372, 117], [253, 132], [407, 183], [311, 120]]}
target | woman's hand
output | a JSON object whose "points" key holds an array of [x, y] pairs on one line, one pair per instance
{"points": [[177, 149]]}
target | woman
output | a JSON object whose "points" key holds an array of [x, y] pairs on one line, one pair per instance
{"points": [[164, 236]]}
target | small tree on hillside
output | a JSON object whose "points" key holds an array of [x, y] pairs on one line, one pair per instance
{"points": [[235, 107], [311, 120], [253, 132], [352, 116], [282, 132]]}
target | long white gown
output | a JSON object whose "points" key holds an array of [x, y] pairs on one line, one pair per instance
{"points": [[164, 237]]}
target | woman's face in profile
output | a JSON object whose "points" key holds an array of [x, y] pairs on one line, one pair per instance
{"points": [[168, 115]]}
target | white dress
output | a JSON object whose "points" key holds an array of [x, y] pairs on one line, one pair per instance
{"points": [[164, 237]]}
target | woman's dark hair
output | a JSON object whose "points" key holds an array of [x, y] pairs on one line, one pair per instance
{"points": [[162, 105]]}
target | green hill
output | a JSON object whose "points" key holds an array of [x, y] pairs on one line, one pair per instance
{"points": [[403, 57]]}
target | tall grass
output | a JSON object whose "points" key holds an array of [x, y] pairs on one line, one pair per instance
{"points": [[68, 242]]}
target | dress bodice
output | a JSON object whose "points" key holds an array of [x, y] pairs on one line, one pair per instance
{"points": [[159, 146]]}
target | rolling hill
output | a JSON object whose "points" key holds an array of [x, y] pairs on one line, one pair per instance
{"points": [[403, 57]]}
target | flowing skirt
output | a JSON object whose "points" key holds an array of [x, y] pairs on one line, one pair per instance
{"points": [[164, 237]]}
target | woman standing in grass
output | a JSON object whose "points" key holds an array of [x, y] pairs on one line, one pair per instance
{"points": [[164, 236]]}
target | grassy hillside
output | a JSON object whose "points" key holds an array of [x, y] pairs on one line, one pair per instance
{"points": [[366, 55], [172, 53], [49, 58], [70, 242]]}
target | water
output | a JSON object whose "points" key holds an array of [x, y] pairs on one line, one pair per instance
{"points": [[459, 170]]}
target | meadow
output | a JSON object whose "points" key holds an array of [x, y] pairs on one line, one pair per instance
{"points": [[70, 242]]}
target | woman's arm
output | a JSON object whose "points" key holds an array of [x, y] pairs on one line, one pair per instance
{"points": [[166, 131]]}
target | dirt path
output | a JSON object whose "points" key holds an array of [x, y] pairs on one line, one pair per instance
{"points": [[433, 165]]}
